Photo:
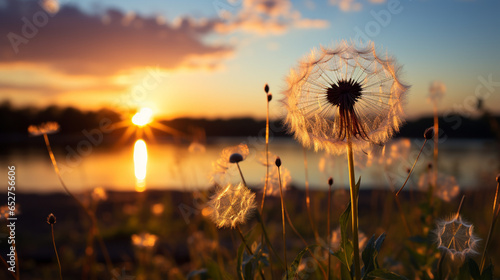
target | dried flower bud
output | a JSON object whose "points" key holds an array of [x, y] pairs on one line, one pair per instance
{"points": [[330, 181], [51, 219], [266, 88], [269, 97], [278, 161], [498, 178], [429, 133], [429, 166], [235, 158]]}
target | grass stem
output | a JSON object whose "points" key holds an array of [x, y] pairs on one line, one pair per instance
{"points": [[55, 250], [283, 221]]}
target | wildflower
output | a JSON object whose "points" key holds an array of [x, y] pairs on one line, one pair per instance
{"points": [[437, 90], [446, 185], [51, 219], [344, 94], [273, 183], [224, 167], [231, 205], [43, 128], [456, 237], [144, 240]]}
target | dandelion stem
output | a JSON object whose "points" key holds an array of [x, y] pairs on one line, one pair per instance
{"points": [[241, 174], [308, 198], [411, 170], [490, 232], [267, 157], [436, 141], [354, 211], [283, 220], [328, 236], [460, 206], [89, 214], [55, 250]]}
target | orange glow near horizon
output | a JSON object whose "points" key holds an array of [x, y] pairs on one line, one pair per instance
{"points": [[140, 164]]}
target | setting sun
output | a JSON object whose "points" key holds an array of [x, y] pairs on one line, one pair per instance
{"points": [[143, 117]]}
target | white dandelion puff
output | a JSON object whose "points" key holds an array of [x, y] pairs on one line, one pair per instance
{"points": [[344, 92], [43, 128], [231, 205], [456, 237]]}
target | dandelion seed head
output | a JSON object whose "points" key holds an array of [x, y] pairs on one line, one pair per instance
{"points": [[222, 169], [437, 90], [446, 185], [231, 205], [344, 92], [43, 128], [99, 194], [456, 237], [235, 158]]}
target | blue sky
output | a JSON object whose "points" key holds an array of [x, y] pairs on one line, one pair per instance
{"points": [[453, 41]]}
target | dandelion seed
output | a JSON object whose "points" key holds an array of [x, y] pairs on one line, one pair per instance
{"points": [[344, 92], [456, 237], [44, 128], [231, 205]]}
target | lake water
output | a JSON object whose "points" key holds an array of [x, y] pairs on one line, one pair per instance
{"points": [[172, 166]]}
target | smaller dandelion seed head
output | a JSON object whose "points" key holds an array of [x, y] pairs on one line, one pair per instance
{"points": [[429, 133], [231, 205], [43, 128], [266, 88], [278, 161], [235, 158], [51, 219], [269, 97], [456, 237], [223, 169], [330, 181]]}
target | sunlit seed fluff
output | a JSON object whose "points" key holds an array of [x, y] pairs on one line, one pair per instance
{"points": [[144, 240], [456, 237], [344, 92], [222, 169], [437, 90], [43, 128], [273, 183], [231, 205], [446, 185]]}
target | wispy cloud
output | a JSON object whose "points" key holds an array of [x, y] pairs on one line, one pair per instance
{"points": [[352, 5]]}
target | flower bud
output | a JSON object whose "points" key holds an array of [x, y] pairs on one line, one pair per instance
{"points": [[269, 97], [51, 219], [266, 88], [429, 133], [330, 181], [278, 162], [498, 178], [235, 158]]}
